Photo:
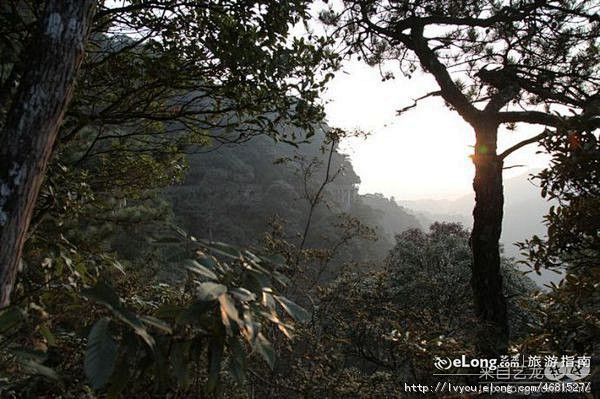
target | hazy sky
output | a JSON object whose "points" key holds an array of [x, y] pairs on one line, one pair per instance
{"points": [[422, 154]]}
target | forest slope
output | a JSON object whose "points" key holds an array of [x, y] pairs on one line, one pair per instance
{"points": [[233, 194]]}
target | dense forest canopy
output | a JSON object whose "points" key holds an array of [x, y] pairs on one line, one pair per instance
{"points": [[177, 218]]}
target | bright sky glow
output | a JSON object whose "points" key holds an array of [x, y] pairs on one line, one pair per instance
{"points": [[422, 154]]}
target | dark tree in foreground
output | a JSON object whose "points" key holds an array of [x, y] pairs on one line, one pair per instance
{"points": [[158, 79], [161, 75], [33, 121], [495, 65]]}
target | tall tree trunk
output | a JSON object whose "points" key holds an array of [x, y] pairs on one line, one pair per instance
{"points": [[486, 280], [33, 121]]}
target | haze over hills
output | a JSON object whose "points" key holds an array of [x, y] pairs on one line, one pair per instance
{"points": [[231, 194], [252, 186], [524, 209], [394, 218]]}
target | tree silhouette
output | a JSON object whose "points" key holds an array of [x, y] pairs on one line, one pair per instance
{"points": [[534, 62]]}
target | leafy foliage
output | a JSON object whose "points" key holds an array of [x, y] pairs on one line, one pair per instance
{"points": [[569, 310], [101, 354], [211, 312], [114, 300], [159, 79], [374, 330]]}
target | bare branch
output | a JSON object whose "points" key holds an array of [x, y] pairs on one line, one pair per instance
{"points": [[535, 117], [416, 101], [513, 166], [315, 200], [523, 143]]}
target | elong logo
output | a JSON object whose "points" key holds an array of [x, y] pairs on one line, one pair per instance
{"points": [[446, 363]]}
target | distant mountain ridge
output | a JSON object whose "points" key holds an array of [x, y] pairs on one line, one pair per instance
{"points": [[394, 218]]}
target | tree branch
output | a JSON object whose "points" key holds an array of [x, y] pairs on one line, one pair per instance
{"points": [[315, 200], [501, 98], [535, 117], [429, 60], [523, 143], [416, 100], [449, 90]]}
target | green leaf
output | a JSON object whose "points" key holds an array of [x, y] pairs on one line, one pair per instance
{"points": [[276, 259], [251, 327], [134, 322], [208, 261], [229, 310], [104, 294], [32, 360], [215, 355], [223, 249], [210, 291], [265, 349], [100, 355], [268, 301], [262, 281], [119, 380], [153, 321], [47, 334], [168, 311], [160, 371], [199, 269], [195, 313], [237, 360], [36, 368], [243, 294], [11, 318], [297, 312], [29, 354], [180, 363], [281, 278], [116, 264], [251, 256]]}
